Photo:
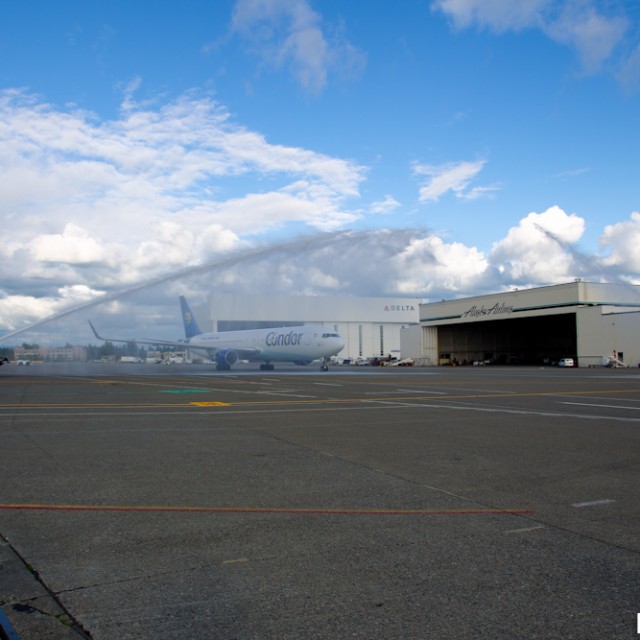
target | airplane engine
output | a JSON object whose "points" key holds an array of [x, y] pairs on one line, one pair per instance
{"points": [[225, 358]]}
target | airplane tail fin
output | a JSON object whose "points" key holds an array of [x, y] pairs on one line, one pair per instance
{"points": [[191, 327]]}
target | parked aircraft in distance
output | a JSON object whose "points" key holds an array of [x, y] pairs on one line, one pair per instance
{"points": [[300, 344]]}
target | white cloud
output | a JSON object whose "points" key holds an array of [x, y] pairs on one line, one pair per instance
{"points": [[79, 293], [592, 30], [623, 242], [386, 206], [73, 246], [447, 177], [591, 34], [538, 249], [498, 15], [289, 33], [104, 204], [144, 192], [429, 265]]}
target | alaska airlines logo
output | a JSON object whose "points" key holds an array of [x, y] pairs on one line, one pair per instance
{"points": [[478, 312], [399, 307], [274, 339]]}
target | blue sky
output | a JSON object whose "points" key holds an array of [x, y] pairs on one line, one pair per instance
{"points": [[464, 146]]}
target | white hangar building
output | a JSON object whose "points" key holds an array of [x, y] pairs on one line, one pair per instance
{"points": [[590, 322], [370, 326]]}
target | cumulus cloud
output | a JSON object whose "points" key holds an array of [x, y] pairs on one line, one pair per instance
{"points": [[290, 33], [537, 250], [541, 249], [73, 246], [428, 265], [592, 30], [622, 241]]}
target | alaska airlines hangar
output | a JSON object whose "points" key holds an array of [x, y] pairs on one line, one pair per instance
{"points": [[595, 324]]}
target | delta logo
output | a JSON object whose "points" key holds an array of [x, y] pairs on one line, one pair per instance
{"points": [[399, 307]]}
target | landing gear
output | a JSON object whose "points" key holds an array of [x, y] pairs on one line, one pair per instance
{"points": [[324, 366], [266, 367]]}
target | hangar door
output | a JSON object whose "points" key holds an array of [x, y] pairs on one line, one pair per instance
{"points": [[535, 340]]}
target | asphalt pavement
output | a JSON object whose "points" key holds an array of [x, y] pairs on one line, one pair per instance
{"points": [[142, 501]]}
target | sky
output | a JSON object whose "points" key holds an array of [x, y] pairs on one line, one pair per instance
{"points": [[422, 148]]}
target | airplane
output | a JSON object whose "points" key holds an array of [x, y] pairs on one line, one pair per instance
{"points": [[299, 344]]}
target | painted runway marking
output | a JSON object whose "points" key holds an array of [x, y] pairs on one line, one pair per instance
{"points": [[267, 510], [525, 530], [435, 393], [493, 409], [108, 411], [238, 561], [592, 503], [602, 406]]}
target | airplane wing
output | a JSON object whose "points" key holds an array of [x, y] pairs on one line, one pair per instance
{"points": [[244, 353], [182, 344]]}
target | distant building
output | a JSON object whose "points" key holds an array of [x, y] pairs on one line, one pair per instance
{"points": [[29, 353], [67, 354], [58, 354], [595, 324], [370, 326]]}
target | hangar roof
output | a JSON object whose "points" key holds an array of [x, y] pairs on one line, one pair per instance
{"points": [[539, 301]]}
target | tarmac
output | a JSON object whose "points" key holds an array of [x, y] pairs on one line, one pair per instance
{"points": [[144, 502]]}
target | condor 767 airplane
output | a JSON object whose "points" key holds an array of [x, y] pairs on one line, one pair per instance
{"points": [[300, 344]]}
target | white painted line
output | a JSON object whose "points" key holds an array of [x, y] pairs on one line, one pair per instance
{"points": [[592, 503], [525, 530], [391, 392], [496, 409], [423, 391], [602, 406]]}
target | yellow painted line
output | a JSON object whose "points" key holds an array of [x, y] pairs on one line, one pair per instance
{"points": [[272, 510], [211, 404], [237, 561]]}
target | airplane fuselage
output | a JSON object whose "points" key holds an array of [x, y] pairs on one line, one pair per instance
{"points": [[288, 344]]}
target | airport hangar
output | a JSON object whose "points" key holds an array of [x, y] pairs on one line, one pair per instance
{"points": [[593, 323], [370, 326]]}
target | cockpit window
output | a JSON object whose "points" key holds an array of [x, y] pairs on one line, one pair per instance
{"points": [[330, 335]]}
